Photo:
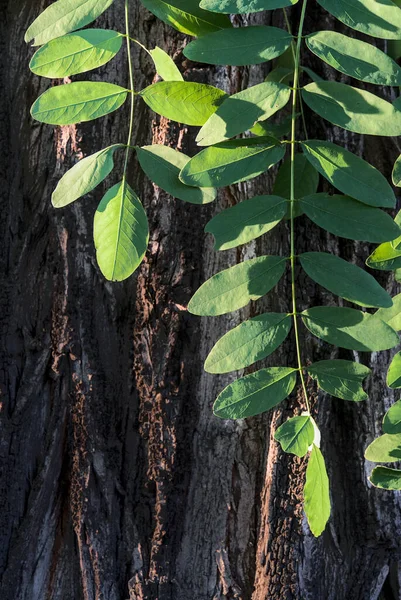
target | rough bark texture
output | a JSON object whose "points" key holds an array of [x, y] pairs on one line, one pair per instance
{"points": [[116, 479]]}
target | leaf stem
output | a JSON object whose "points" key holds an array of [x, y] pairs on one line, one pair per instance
{"points": [[292, 197], [131, 82]]}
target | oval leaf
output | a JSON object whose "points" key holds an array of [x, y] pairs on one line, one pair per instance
{"points": [[348, 218], [386, 448], [344, 279], [385, 258], [349, 328], [317, 493], [78, 102], [165, 66], [240, 112], [353, 109], [396, 174], [183, 101], [237, 7], [83, 177], [394, 372], [379, 19], [76, 53], [239, 46], [251, 341], [341, 378], [235, 287], [246, 221], [255, 393], [386, 478], [392, 315], [296, 435], [354, 58], [186, 16], [163, 165], [121, 232], [61, 17], [349, 173], [231, 162], [392, 419]]}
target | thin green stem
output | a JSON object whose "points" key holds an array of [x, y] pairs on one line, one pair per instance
{"points": [[131, 83], [292, 197]]}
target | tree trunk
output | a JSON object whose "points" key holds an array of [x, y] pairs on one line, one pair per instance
{"points": [[117, 480]]}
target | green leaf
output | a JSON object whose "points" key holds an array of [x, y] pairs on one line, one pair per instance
{"points": [[396, 175], [237, 7], [165, 66], [385, 258], [121, 232], [306, 181], [394, 373], [183, 101], [349, 173], [353, 109], [396, 243], [392, 315], [241, 111], [235, 287], [348, 218], [341, 378], [255, 393], [186, 16], [317, 493], [84, 176], [296, 435], [163, 165], [239, 46], [354, 58], [384, 449], [246, 221], [349, 328], [386, 478], [231, 162], [344, 279], [248, 343], [380, 19], [276, 130], [64, 16], [76, 53], [392, 419], [78, 102]]}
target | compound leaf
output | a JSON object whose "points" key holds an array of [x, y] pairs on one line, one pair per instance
{"points": [[248, 343], [256, 393], [341, 378], [162, 165], [386, 478], [394, 372], [317, 493], [78, 102], [349, 328], [385, 449], [379, 19], [385, 258], [186, 16], [165, 66], [235, 287], [296, 435]]}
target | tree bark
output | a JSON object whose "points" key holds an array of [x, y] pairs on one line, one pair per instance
{"points": [[117, 480]]}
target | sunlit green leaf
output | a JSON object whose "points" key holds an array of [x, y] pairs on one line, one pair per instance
{"points": [[296, 435], [386, 478], [348, 218], [255, 393], [380, 19], [392, 315], [186, 16], [239, 46], [78, 102], [344, 279], [163, 165], [246, 221], [353, 109], [165, 66], [394, 372], [121, 232], [386, 449], [235, 287], [84, 176], [317, 493], [76, 53], [231, 162], [396, 175], [349, 328], [392, 419], [354, 58], [244, 6], [183, 101], [385, 258], [64, 16], [251, 341], [241, 111], [341, 378]]}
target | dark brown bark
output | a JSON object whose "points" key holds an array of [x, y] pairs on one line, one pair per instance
{"points": [[117, 481]]}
